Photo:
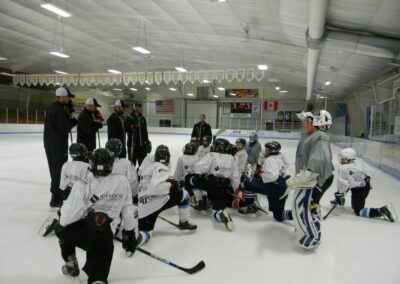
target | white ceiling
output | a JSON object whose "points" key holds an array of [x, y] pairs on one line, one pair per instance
{"points": [[210, 34]]}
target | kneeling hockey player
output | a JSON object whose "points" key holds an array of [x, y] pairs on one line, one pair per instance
{"points": [[86, 216], [157, 192], [354, 175]]}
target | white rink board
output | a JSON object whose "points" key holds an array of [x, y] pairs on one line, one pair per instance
{"points": [[260, 250]]}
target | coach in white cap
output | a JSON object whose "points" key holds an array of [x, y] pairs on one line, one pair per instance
{"points": [[88, 125], [116, 125], [58, 123]]}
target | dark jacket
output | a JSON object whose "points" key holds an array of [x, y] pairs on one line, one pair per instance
{"points": [[201, 129], [116, 127], [137, 130], [87, 129], [58, 123]]}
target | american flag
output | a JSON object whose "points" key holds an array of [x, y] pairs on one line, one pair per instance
{"points": [[165, 106]]}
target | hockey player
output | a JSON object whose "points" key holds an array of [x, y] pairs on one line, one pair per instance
{"points": [[354, 175], [86, 216], [253, 149], [241, 156], [262, 156], [71, 172], [157, 192], [314, 166], [205, 146], [123, 166], [217, 173], [271, 182]]}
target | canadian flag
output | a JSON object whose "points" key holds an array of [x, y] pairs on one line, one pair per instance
{"points": [[270, 105]]}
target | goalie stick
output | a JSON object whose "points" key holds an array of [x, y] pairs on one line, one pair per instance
{"points": [[199, 266]]}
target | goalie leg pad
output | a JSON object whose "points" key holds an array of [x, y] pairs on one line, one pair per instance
{"points": [[307, 219]]}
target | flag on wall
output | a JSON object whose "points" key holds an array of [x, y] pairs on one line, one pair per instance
{"points": [[270, 105], [165, 106]]}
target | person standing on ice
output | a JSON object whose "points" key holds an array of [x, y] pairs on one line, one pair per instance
{"points": [[89, 124], [201, 128], [139, 144], [157, 193], [116, 125], [314, 176], [86, 216], [57, 125], [253, 149], [354, 175]]}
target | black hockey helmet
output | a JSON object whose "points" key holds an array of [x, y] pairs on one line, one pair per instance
{"points": [[232, 149], [78, 152], [241, 141], [101, 162], [206, 139], [272, 147], [220, 145], [162, 155], [115, 146], [190, 149], [194, 140]]}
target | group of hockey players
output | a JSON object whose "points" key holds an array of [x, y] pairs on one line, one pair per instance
{"points": [[106, 196]]}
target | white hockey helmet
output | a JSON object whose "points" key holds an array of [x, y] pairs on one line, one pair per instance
{"points": [[348, 154], [321, 119]]}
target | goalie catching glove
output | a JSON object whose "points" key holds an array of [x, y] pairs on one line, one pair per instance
{"points": [[304, 179]]}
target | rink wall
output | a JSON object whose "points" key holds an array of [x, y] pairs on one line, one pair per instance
{"points": [[384, 156]]}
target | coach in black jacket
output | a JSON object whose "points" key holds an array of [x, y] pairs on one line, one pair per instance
{"points": [[201, 128], [138, 138], [116, 125], [58, 123], [89, 124]]}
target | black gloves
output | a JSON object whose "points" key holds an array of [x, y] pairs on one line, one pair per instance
{"points": [[129, 242]]}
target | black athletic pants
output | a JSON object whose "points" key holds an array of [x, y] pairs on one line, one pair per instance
{"points": [[98, 245], [55, 160], [358, 197], [218, 189], [273, 191], [138, 154], [318, 192], [147, 223]]}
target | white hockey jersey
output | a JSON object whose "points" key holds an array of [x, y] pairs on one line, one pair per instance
{"points": [[203, 151], [261, 159], [185, 166], [219, 165], [110, 194], [153, 188], [272, 168], [352, 175], [241, 158], [125, 168], [71, 172]]}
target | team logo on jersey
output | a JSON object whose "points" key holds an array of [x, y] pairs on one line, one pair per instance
{"points": [[216, 168], [186, 167], [94, 198]]}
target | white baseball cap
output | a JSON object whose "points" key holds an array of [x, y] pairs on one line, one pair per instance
{"points": [[120, 103], [92, 102], [61, 92]]}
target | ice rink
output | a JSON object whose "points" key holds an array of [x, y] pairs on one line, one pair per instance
{"points": [[260, 250]]}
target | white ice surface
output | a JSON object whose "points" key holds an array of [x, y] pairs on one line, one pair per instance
{"points": [[260, 250]]}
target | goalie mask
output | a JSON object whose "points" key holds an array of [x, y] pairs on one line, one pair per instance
{"points": [[322, 119]]}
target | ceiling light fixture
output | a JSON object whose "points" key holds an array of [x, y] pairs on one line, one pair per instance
{"points": [[206, 81], [262, 67], [141, 50], [147, 88], [2, 58], [172, 89], [116, 89], [56, 10], [284, 91], [327, 83], [7, 74], [215, 96], [277, 88], [221, 88], [221, 1], [133, 89], [114, 71], [59, 54], [190, 94], [232, 94], [60, 72], [181, 69]]}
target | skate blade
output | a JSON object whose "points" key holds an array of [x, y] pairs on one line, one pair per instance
{"points": [[393, 209]]}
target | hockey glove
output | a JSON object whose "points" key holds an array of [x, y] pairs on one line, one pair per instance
{"points": [[129, 242], [148, 147], [339, 198]]}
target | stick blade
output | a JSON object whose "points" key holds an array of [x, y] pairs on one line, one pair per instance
{"points": [[195, 268]]}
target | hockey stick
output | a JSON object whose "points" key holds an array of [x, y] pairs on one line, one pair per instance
{"points": [[190, 270], [98, 138], [169, 222], [333, 208]]}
